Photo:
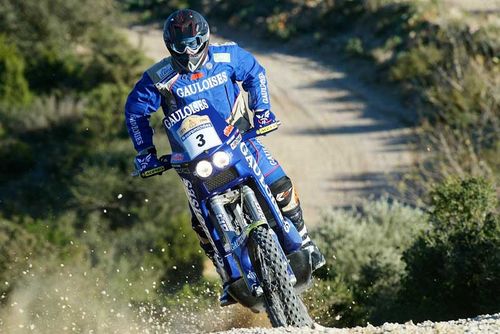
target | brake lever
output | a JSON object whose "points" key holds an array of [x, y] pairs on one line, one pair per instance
{"points": [[165, 160]]}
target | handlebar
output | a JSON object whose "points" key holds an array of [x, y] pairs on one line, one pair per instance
{"points": [[252, 133]]}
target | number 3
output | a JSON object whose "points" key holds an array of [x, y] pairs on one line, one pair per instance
{"points": [[201, 139]]}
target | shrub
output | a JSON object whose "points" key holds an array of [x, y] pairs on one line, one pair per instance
{"points": [[17, 158], [68, 45], [103, 112], [351, 239], [13, 85], [363, 251], [112, 60], [453, 271], [18, 248], [354, 46], [416, 64], [331, 303]]}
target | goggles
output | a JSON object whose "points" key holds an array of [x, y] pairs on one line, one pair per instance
{"points": [[189, 45]]}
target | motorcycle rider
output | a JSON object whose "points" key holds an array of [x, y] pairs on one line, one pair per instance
{"points": [[197, 70]]}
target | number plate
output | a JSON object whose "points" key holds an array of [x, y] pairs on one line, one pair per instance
{"points": [[198, 134]]}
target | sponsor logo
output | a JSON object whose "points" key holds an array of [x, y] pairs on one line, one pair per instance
{"points": [[269, 157], [182, 113], [163, 72], [209, 66], [286, 226], [267, 128], [228, 129], [196, 76], [222, 57], [135, 130], [151, 172], [263, 88], [144, 162], [238, 241], [192, 124], [283, 195], [177, 157], [223, 224], [252, 275], [252, 163], [236, 142], [193, 201], [203, 85], [263, 117]]}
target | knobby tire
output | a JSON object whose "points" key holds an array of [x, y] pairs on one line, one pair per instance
{"points": [[283, 306]]}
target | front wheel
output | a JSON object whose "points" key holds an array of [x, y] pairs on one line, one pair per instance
{"points": [[283, 306]]}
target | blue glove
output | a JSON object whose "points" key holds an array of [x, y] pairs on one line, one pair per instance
{"points": [[263, 118], [147, 164]]}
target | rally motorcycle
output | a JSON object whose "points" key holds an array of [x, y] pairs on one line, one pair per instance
{"points": [[258, 247]]}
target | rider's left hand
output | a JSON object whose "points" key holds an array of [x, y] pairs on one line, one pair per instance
{"points": [[263, 118]]}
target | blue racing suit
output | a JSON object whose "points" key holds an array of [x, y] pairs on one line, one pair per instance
{"points": [[215, 82]]}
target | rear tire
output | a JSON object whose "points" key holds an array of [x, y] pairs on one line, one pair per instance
{"points": [[283, 306]]}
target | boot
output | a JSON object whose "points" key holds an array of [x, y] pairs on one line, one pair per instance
{"points": [[317, 258], [225, 299], [288, 201]]}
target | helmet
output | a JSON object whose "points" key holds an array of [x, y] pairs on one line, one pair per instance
{"points": [[186, 35]]}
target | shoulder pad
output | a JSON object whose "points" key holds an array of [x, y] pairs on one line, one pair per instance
{"points": [[161, 71], [221, 53]]}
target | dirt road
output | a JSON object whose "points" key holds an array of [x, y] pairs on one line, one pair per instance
{"points": [[339, 141]]}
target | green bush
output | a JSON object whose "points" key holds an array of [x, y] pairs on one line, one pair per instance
{"points": [[68, 45], [354, 47], [14, 88], [363, 251], [18, 248], [331, 303], [103, 112], [453, 271], [416, 64], [381, 230], [17, 158], [112, 60]]}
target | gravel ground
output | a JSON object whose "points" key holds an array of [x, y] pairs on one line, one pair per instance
{"points": [[484, 324]]}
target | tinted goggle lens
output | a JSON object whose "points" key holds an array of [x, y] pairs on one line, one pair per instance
{"points": [[193, 44]]}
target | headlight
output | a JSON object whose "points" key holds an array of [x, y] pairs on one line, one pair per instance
{"points": [[221, 159], [204, 168]]}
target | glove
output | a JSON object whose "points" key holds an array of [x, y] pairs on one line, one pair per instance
{"points": [[147, 164], [263, 118]]}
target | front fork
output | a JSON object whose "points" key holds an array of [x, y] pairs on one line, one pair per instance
{"points": [[236, 233]]}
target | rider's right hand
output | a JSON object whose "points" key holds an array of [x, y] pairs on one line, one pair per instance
{"points": [[147, 164]]}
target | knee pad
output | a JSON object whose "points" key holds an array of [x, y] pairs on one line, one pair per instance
{"points": [[288, 201], [285, 194]]}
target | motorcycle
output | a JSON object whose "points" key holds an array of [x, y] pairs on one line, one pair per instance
{"points": [[258, 248]]}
